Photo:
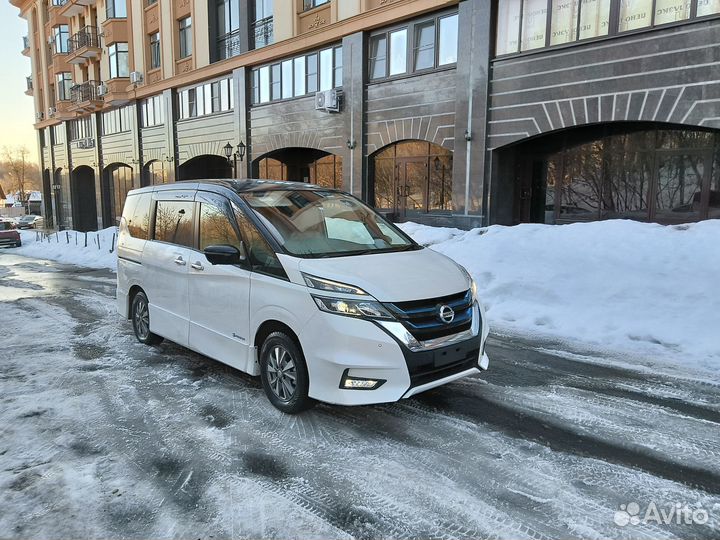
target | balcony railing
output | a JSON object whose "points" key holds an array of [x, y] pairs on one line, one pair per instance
{"points": [[229, 45], [29, 82], [261, 32], [87, 37], [26, 42], [58, 3], [85, 92]]}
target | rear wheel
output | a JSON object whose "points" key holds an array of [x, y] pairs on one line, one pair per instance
{"points": [[140, 312], [284, 374], [18, 243]]}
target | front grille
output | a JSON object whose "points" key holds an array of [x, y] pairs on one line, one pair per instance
{"points": [[422, 317], [431, 366]]}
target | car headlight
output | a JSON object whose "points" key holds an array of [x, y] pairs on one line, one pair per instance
{"points": [[322, 284], [367, 309], [473, 285]]}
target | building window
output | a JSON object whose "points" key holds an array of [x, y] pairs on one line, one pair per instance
{"points": [[116, 9], [151, 2], [118, 57], [57, 134], [261, 28], [310, 4], [708, 7], [227, 24], [522, 25], [433, 44], [185, 37], [153, 112], [60, 36], [297, 77], [650, 175], [208, 98], [155, 50], [80, 128], [116, 121], [63, 83]]}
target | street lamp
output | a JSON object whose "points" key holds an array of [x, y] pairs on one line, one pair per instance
{"points": [[232, 157]]}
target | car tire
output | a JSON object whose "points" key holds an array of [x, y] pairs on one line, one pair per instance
{"points": [[18, 244], [281, 361], [140, 315]]}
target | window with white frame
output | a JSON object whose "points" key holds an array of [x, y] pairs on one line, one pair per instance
{"points": [[185, 37], [298, 76], [116, 121], [209, 98], [118, 58], [153, 111]]}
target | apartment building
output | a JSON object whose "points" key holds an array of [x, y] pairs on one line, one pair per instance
{"points": [[451, 112]]}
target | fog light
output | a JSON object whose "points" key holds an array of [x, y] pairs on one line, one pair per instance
{"points": [[359, 383]]}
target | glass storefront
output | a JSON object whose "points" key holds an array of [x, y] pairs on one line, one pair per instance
{"points": [[668, 176], [522, 25], [302, 165], [413, 177]]}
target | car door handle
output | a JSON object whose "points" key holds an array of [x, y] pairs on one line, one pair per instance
{"points": [[197, 266], [180, 261]]}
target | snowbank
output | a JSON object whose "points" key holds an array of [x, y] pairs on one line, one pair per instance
{"points": [[619, 286], [69, 247]]}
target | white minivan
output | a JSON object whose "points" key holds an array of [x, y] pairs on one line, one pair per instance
{"points": [[305, 286]]}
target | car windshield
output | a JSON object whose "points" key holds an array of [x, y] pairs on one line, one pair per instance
{"points": [[5, 226], [27, 218], [314, 223]]}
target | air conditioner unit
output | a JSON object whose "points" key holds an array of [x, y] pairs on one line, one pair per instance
{"points": [[39, 116], [51, 111], [86, 143], [136, 77], [102, 89], [328, 100]]}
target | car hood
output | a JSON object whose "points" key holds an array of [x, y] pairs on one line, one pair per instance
{"points": [[393, 277]]}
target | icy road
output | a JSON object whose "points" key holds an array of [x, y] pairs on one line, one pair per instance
{"points": [[101, 437]]}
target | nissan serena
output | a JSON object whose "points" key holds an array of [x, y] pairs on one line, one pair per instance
{"points": [[305, 286]]}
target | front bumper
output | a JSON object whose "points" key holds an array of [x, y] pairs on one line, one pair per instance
{"points": [[334, 344]]}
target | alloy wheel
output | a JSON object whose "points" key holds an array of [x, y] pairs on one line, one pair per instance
{"points": [[142, 319], [281, 373]]}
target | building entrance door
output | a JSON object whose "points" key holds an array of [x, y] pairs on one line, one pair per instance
{"points": [[411, 181]]}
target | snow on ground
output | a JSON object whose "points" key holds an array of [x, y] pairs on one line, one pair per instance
{"points": [[618, 286], [69, 247]]}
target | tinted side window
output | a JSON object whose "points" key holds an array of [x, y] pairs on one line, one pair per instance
{"points": [[139, 220], [215, 228], [261, 254], [174, 222]]}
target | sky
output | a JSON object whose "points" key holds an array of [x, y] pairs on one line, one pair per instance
{"points": [[17, 113]]}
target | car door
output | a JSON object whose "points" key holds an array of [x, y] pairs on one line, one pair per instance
{"points": [[166, 264], [219, 294]]}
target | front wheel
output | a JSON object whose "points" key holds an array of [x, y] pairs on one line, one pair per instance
{"points": [[140, 312], [284, 374]]}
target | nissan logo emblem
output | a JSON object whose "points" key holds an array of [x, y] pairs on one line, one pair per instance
{"points": [[446, 313]]}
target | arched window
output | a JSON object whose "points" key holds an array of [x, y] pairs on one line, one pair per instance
{"points": [[154, 173], [118, 180], [302, 165], [412, 177]]}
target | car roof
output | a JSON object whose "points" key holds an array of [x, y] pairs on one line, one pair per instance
{"points": [[238, 186]]}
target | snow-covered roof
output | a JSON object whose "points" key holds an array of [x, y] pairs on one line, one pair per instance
{"points": [[35, 196]]}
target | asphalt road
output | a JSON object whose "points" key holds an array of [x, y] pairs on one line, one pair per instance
{"points": [[101, 437]]}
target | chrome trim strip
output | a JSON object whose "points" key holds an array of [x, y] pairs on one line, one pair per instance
{"points": [[406, 338], [440, 382]]}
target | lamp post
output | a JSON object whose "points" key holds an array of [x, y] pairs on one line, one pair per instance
{"points": [[232, 157]]}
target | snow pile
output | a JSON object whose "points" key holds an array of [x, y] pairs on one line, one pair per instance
{"points": [[622, 286], [69, 247]]}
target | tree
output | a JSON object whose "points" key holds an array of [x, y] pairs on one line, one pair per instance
{"points": [[18, 174]]}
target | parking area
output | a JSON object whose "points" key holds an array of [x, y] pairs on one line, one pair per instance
{"points": [[103, 437]]}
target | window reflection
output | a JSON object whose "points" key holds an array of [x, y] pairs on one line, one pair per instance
{"points": [[670, 176]]}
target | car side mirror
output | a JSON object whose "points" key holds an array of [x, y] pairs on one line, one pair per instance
{"points": [[224, 254]]}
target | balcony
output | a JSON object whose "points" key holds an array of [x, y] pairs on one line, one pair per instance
{"points": [[84, 97], [70, 8], [63, 110], [84, 45], [261, 32], [29, 82], [26, 46]]}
